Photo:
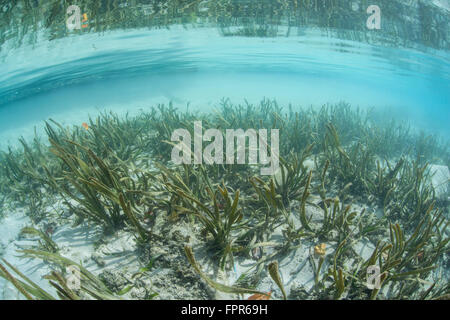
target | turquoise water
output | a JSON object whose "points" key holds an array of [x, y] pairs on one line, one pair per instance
{"points": [[125, 70], [73, 78]]}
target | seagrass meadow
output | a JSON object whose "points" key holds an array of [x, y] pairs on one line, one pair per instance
{"points": [[356, 192], [349, 98]]}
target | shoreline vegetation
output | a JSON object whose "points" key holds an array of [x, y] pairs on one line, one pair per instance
{"points": [[348, 179]]}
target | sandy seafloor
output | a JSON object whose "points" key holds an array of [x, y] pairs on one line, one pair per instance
{"points": [[72, 105], [118, 256]]}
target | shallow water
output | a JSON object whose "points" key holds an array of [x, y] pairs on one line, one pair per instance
{"points": [[69, 78], [75, 77]]}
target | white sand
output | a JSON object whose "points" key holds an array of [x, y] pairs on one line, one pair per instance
{"points": [[10, 228]]}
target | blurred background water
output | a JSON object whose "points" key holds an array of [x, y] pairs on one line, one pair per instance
{"points": [[136, 54]]}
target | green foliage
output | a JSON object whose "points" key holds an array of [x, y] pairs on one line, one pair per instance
{"points": [[218, 286], [46, 243], [90, 285], [347, 166], [117, 173], [401, 258], [220, 216], [292, 176], [275, 275]]}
